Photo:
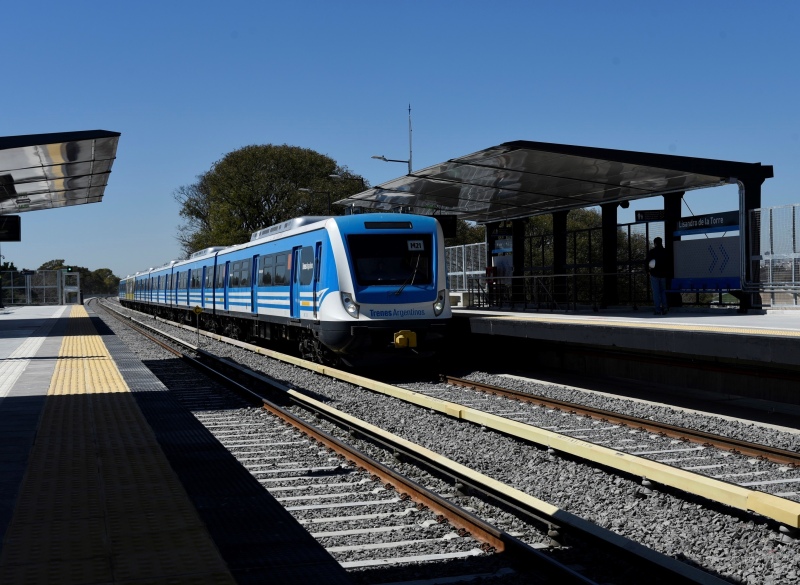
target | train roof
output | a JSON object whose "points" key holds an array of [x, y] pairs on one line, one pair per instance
{"points": [[349, 222], [287, 225]]}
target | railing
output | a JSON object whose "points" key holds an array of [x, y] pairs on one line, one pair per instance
{"points": [[555, 292], [575, 292]]}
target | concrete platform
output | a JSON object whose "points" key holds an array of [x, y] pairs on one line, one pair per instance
{"points": [[104, 478], [755, 356]]}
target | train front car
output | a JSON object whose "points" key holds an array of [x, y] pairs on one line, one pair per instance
{"points": [[392, 288]]}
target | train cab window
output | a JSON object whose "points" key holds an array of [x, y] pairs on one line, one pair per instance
{"points": [[281, 266], [306, 272], [266, 270], [391, 259]]}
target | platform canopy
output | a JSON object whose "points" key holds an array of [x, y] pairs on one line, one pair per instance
{"points": [[43, 171], [522, 179]]}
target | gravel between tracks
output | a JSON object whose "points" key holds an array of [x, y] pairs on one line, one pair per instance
{"points": [[742, 550]]}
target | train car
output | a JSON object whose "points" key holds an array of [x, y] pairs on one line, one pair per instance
{"points": [[354, 288]]}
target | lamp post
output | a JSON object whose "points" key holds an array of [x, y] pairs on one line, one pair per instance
{"points": [[312, 192], [383, 158]]}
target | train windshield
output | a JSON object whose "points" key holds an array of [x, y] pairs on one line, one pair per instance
{"points": [[391, 259]]}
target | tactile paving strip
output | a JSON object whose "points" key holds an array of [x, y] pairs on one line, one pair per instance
{"points": [[99, 502], [258, 538]]}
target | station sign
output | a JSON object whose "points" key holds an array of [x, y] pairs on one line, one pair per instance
{"points": [[643, 215], [725, 219]]}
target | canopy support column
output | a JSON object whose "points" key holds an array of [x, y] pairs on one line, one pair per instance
{"points": [[560, 291], [672, 215], [610, 278], [518, 260]]}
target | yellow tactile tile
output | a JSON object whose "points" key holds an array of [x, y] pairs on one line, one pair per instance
{"points": [[99, 502]]}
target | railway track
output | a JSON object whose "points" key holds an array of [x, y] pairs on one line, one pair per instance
{"points": [[467, 485], [364, 513], [731, 445]]}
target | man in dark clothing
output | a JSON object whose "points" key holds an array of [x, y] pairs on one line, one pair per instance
{"points": [[657, 266]]}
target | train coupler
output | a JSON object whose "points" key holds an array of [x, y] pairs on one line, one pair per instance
{"points": [[405, 338]]}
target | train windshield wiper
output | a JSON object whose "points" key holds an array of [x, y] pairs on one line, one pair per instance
{"points": [[410, 279]]}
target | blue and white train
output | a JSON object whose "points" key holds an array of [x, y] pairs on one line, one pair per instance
{"points": [[353, 288]]}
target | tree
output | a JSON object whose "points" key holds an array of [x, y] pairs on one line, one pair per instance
{"points": [[467, 233], [255, 187]]}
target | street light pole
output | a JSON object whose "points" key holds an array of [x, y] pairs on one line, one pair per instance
{"points": [[383, 158]]}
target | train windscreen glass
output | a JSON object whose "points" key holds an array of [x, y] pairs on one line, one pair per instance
{"points": [[391, 259]]}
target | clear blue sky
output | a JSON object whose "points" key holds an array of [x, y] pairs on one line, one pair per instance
{"points": [[187, 82]]}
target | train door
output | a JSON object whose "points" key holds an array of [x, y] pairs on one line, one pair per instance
{"points": [[317, 264], [225, 285], [294, 284], [302, 287], [253, 285], [203, 287]]}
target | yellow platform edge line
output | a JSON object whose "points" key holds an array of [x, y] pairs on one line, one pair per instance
{"points": [[646, 325]]}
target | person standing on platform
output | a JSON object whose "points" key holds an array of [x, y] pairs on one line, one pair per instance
{"points": [[657, 266]]}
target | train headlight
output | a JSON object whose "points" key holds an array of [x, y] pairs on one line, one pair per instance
{"points": [[438, 306], [350, 305]]}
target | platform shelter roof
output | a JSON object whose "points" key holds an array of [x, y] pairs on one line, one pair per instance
{"points": [[523, 178], [44, 171]]}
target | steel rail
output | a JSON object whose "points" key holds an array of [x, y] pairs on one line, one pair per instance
{"points": [[494, 539], [765, 452]]}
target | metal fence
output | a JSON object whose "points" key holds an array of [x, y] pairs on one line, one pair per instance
{"points": [[43, 287], [774, 253], [464, 262], [582, 285]]}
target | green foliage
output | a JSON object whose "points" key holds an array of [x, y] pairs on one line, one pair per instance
{"points": [[255, 187], [467, 233], [93, 282]]}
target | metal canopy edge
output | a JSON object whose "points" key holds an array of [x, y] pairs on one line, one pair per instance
{"points": [[45, 171], [523, 178]]}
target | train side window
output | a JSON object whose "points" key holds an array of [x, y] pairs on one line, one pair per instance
{"points": [[267, 269], [209, 276], [233, 277], [281, 262], [245, 271], [306, 265], [221, 276]]}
